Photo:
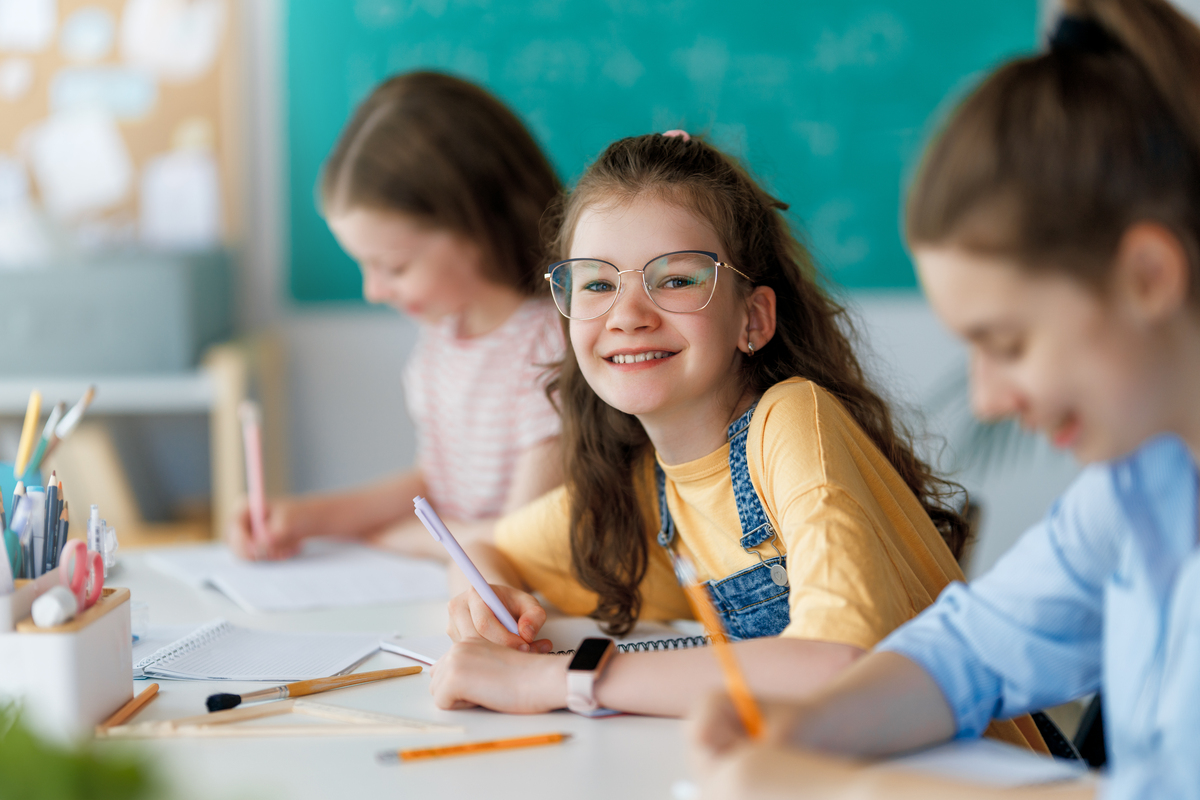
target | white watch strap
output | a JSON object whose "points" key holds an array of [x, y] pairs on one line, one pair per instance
{"points": [[581, 692]]}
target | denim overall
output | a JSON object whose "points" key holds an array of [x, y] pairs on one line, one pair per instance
{"points": [[753, 602]]}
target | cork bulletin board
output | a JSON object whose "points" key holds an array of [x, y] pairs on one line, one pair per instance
{"points": [[117, 126]]}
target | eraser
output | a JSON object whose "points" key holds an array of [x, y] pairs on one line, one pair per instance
{"points": [[55, 607]]}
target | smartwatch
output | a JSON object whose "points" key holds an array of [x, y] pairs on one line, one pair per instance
{"points": [[591, 656]]}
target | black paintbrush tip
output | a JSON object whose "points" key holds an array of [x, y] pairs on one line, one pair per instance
{"points": [[220, 702]]}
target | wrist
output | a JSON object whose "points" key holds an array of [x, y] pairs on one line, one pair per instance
{"points": [[554, 679]]}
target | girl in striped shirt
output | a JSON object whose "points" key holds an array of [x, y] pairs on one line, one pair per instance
{"points": [[437, 190]]}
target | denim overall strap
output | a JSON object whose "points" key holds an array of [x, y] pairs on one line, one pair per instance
{"points": [[666, 529], [754, 601], [756, 529]]}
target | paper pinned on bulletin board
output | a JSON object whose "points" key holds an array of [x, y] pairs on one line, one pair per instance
{"points": [[176, 39], [87, 35], [27, 26], [115, 118], [81, 162]]}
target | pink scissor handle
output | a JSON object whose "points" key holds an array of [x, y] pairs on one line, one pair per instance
{"points": [[74, 567]]}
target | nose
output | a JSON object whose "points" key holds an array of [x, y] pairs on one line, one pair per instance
{"points": [[373, 287], [994, 396], [633, 309]]}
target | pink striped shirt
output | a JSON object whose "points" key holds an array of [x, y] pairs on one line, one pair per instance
{"points": [[479, 403]]}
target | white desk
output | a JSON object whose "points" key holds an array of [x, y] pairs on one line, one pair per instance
{"points": [[626, 756]]}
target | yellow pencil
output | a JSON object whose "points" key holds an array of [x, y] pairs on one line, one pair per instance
{"points": [[28, 434], [735, 682], [467, 748]]}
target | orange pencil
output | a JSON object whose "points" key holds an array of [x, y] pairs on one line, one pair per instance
{"points": [[466, 748], [129, 709], [735, 682]]}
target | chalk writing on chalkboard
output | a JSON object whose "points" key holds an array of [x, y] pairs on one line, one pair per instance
{"points": [[828, 103]]}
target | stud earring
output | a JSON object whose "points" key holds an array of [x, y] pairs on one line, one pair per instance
{"points": [[750, 346]]}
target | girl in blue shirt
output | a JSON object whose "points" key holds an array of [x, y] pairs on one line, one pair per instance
{"points": [[1056, 228]]}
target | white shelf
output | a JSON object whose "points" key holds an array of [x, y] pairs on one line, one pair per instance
{"points": [[168, 393]]}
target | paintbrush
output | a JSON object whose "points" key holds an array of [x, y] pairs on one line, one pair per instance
{"points": [[220, 702], [71, 420]]}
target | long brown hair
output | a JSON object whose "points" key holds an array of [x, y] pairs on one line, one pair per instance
{"points": [[604, 446], [1052, 158], [449, 154]]}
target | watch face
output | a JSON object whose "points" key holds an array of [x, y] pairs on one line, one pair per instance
{"points": [[589, 653]]}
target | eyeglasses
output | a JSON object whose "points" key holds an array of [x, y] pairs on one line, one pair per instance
{"points": [[682, 282]]}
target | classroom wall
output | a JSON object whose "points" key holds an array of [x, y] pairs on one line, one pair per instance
{"points": [[347, 419]]}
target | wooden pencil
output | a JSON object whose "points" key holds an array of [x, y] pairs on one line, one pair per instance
{"points": [[132, 707]]}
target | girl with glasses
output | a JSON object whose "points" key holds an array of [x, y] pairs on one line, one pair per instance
{"points": [[1056, 228], [713, 407], [437, 190]]}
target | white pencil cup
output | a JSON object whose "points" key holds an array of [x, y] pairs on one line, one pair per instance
{"points": [[68, 678]]}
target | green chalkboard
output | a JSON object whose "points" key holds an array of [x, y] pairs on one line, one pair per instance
{"points": [[828, 101]]}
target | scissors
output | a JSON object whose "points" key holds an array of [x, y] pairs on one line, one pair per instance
{"points": [[84, 564]]}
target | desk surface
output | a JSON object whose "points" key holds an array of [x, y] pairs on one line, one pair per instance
{"points": [[625, 756]]}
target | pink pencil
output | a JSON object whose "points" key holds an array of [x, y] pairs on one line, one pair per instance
{"points": [[252, 441]]}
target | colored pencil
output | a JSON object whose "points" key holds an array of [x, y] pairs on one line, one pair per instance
{"points": [[423, 753], [47, 437], [735, 681], [33, 413]]}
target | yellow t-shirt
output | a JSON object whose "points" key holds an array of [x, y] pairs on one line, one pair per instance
{"points": [[863, 557]]}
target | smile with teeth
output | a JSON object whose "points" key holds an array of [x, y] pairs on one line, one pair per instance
{"points": [[637, 358]]}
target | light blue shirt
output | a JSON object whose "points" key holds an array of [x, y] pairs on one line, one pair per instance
{"points": [[1103, 594]]}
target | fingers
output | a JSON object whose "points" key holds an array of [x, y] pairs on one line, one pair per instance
{"points": [[715, 727], [488, 627], [239, 536], [470, 618], [528, 611]]}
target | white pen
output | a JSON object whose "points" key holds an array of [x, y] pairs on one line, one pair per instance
{"points": [[433, 523]]}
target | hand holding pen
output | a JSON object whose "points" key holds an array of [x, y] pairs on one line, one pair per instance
{"points": [[486, 611]]}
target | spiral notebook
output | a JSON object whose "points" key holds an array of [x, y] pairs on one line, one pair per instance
{"points": [[565, 633], [221, 651]]}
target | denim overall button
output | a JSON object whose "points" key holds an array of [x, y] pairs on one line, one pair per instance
{"points": [[779, 575]]}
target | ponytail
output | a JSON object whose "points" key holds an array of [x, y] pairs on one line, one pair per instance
{"points": [[1053, 157]]}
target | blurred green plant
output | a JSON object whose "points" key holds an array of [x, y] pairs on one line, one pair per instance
{"points": [[34, 769]]}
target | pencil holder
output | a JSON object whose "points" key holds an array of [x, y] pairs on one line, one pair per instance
{"points": [[68, 678]]}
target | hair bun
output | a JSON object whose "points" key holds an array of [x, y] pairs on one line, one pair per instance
{"points": [[1082, 35]]}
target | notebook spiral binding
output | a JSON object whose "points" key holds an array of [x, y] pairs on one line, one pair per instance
{"points": [[198, 638], [682, 643]]}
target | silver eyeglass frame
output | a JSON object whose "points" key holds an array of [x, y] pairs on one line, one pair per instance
{"points": [[620, 272]]}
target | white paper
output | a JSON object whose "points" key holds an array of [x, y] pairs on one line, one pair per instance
{"points": [[27, 26], [987, 762], [24, 237], [123, 92], [16, 77], [220, 651], [176, 39], [80, 162], [87, 35], [181, 201], [325, 575]]}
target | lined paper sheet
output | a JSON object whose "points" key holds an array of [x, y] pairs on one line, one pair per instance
{"points": [[325, 575], [221, 651]]}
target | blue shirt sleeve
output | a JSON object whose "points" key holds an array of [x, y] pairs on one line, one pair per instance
{"points": [[1028, 634]]}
